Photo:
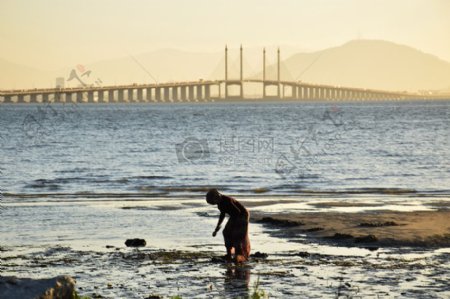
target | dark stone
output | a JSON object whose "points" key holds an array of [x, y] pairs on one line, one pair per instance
{"points": [[303, 254], [259, 255], [339, 236], [109, 246], [279, 222], [378, 224], [366, 239], [58, 287], [218, 259], [371, 248], [135, 243], [313, 229]]}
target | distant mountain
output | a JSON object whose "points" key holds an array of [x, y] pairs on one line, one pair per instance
{"points": [[157, 66], [16, 76], [360, 63], [368, 64]]}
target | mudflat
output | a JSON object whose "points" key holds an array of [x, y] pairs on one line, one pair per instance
{"points": [[380, 227]]}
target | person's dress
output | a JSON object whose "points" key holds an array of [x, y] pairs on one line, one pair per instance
{"points": [[235, 232]]}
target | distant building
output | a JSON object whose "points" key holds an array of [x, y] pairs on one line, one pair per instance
{"points": [[60, 82]]}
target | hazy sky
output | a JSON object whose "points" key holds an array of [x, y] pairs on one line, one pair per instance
{"points": [[49, 34]]}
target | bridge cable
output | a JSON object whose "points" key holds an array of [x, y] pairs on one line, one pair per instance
{"points": [[143, 68], [309, 66]]}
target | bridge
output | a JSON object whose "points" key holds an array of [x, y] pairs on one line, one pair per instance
{"points": [[206, 91]]}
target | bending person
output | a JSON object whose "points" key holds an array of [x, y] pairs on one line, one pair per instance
{"points": [[235, 233]]}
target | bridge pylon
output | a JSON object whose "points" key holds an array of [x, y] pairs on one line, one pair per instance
{"points": [[239, 82], [266, 82]]}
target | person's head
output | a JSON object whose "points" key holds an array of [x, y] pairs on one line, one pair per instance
{"points": [[213, 197]]}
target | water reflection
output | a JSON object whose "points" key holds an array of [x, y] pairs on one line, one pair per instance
{"points": [[237, 279]]}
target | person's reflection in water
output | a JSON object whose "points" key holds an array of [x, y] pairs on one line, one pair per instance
{"points": [[237, 279]]}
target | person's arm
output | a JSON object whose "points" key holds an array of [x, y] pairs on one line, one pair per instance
{"points": [[221, 218]]}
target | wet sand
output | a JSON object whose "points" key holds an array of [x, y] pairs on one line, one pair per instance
{"points": [[376, 227], [302, 258]]}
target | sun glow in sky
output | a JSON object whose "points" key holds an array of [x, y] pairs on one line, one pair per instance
{"points": [[48, 34]]}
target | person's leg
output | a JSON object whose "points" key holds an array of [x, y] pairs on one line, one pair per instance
{"points": [[227, 237]]}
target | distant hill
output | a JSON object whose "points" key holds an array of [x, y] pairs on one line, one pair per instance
{"points": [[368, 64], [359, 63], [19, 76]]}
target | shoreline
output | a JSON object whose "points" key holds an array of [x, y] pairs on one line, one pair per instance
{"points": [[290, 260], [368, 229]]}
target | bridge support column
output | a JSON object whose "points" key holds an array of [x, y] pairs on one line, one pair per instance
{"points": [[321, 93], [207, 92], [313, 93], [7, 99], [166, 94], [304, 92], [100, 96], [111, 96], [158, 94], [45, 98], [33, 98], [200, 92], [68, 97], [140, 95], [184, 93], [130, 95], [191, 93], [121, 95], [59, 97], [348, 94], [226, 90], [79, 97], [149, 95], [90, 97], [175, 94], [21, 99], [294, 91]]}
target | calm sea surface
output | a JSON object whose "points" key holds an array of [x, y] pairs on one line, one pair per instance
{"points": [[77, 178], [246, 148]]}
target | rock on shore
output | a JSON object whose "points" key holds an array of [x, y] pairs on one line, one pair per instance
{"points": [[60, 287]]}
